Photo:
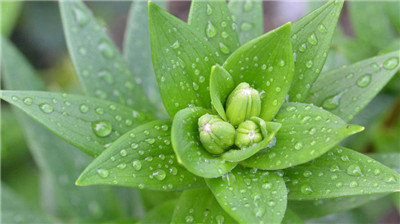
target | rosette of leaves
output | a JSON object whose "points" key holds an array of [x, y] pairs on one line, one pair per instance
{"points": [[303, 115]]}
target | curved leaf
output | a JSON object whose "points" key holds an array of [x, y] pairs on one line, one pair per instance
{"points": [[10, 11], [141, 158], [307, 132], [251, 195], [162, 214], [248, 15], [189, 151], [347, 90], [205, 209], [213, 19], [182, 61], [266, 63], [221, 85], [137, 51], [237, 155], [98, 63], [311, 40], [291, 218], [341, 172], [87, 123]]}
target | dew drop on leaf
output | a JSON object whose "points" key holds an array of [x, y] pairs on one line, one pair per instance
{"points": [[137, 165], [107, 76], [245, 26], [364, 80], [224, 35], [160, 175], [45, 107], [103, 173], [312, 39], [106, 49], [101, 128], [322, 28], [81, 16], [189, 219], [175, 45], [209, 10], [376, 67], [390, 180], [302, 47], [123, 152], [306, 189], [224, 49], [28, 101], [391, 63], [211, 31], [354, 170], [83, 108]]}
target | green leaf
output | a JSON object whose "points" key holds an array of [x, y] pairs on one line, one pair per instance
{"points": [[10, 11], [221, 85], [311, 40], [213, 19], [291, 218], [162, 214], [251, 195], [341, 172], [322, 207], [307, 132], [391, 9], [141, 158], [189, 151], [204, 209], [98, 63], [237, 155], [182, 61], [248, 15], [347, 90], [87, 123], [391, 160], [137, 51], [270, 72]]}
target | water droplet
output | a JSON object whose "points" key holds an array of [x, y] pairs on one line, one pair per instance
{"points": [[224, 49], [247, 6], [28, 101], [322, 28], [81, 16], [364, 80], [298, 146], [160, 175], [107, 76], [175, 45], [390, 180], [173, 170], [121, 166], [332, 102], [267, 186], [224, 35], [45, 107], [307, 173], [245, 26], [101, 128], [123, 152], [103, 173], [99, 110], [353, 184], [309, 64], [306, 189], [202, 79], [106, 48], [137, 165], [189, 219], [391, 63], [376, 67], [354, 170], [302, 47], [220, 219], [209, 10], [281, 63], [210, 30], [312, 39]]}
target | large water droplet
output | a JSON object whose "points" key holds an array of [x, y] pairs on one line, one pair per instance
{"points": [[247, 6], [209, 10], [312, 39], [103, 173], [101, 128], [210, 30], [331, 103], [224, 49], [322, 28], [354, 170], [106, 48], [306, 189], [391, 63], [28, 101], [245, 26], [137, 165], [83, 108], [175, 45], [81, 16], [160, 175], [107, 76], [364, 80], [45, 107]]}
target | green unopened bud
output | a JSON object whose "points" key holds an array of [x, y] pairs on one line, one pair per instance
{"points": [[216, 135], [247, 134], [244, 102]]}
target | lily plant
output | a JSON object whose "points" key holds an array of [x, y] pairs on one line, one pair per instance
{"points": [[252, 127]]}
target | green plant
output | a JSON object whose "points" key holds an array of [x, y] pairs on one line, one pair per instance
{"points": [[287, 131]]}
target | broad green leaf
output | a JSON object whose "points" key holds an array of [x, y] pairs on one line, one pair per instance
{"points": [[322, 207], [188, 149], [291, 218], [182, 61], [221, 85], [347, 90], [248, 16], [87, 123], [162, 214], [339, 173], [379, 32], [9, 14], [266, 63], [311, 40], [307, 132], [237, 155], [15, 210], [199, 206], [251, 195], [137, 51], [213, 19], [59, 163], [98, 63], [141, 158]]}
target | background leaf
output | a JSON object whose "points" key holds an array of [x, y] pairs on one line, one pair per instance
{"points": [[205, 209], [347, 90], [89, 124], [213, 19], [311, 40], [162, 214], [9, 14], [141, 158], [291, 218], [137, 51], [341, 172], [251, 195], [221, 85], [98, 63], [307, 132], [182, 61], [248, 15], [270, 73], [188, 148]]}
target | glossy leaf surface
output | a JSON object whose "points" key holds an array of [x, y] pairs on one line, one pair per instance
{"points": [[307, 132], [182, 61], [311, 40], [188, 148], [221, 85], [205, 209], [98, 63], [251, 195], [141, 158], [248, 16], [89, 124], [341, 172], [266, 63], [213, 19], [347, 90]]}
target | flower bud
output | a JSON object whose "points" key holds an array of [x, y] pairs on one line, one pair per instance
{"points": [[216, 135], [244, 102], [247, 134]]}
